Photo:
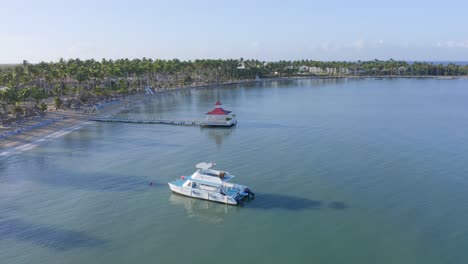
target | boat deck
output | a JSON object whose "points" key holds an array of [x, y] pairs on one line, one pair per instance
{"points": [[179, 182], [231, 192]]}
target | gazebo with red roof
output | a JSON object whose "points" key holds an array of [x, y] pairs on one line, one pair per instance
{"points": [[220, 117]]}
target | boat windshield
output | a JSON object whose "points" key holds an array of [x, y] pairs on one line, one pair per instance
{"points": [[209, 173], [223, 175]]}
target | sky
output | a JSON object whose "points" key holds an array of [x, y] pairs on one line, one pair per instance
{"points": [[271, 30]]}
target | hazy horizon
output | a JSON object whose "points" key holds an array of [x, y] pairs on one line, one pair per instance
{"points": [[443, 62], [263, 30]]}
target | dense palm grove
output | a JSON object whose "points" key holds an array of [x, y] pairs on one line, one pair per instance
{"points": [[26, 87]]}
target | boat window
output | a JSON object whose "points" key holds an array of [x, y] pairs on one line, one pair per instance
{"points": [[208, 188]]}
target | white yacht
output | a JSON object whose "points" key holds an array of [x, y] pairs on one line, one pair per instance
{"points": [[206, 183]]}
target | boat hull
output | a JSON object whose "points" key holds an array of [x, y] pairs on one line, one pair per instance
{"points": [[201, 194]]}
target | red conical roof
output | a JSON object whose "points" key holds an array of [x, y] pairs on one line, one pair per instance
{"points": [[218, 103], [218, 111]]}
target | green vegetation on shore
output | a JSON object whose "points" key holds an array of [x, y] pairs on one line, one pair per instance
{"points": [[25, 87]]}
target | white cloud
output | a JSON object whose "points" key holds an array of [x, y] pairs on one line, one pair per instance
{"points": [[453, 44], [255, 44], [82, 48], [325, 45], [358, 44]]}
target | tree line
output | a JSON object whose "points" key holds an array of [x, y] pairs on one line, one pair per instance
{"points": [[25, 87]]}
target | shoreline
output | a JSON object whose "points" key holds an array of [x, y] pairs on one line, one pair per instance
{"points": [[56, 124], [61, 122]]}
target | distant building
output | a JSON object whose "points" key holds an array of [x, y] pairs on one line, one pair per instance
{"points": [[344, 70], [330, 70], [315, 70], [304, 68]]}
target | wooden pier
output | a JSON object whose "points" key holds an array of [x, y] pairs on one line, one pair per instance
{"points": [[148, 121]]}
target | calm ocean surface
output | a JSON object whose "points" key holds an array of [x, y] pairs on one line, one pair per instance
{"points": [[345, 171]]}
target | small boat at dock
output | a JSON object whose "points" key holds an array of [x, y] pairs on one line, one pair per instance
{"points": [[213, 185]]}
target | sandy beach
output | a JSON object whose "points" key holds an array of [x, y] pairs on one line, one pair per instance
{"points": [[58, 123], [55, 124]]}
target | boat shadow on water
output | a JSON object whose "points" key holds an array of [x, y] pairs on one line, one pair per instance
{"points": [[268, 201], [45, 236]]}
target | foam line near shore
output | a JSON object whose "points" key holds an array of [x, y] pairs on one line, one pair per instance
{"points": [[36, 143]]}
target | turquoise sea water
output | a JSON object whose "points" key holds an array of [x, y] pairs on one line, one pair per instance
{"points": [[345, 171]]}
